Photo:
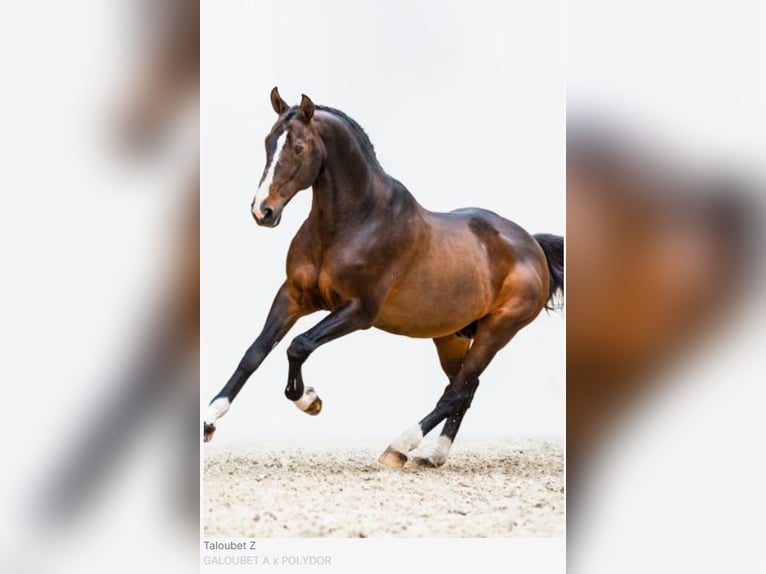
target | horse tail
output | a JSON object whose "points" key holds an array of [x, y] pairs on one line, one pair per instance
{"points": [[553, 247]]}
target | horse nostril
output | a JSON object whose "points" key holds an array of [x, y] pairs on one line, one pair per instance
{"points": [[268, 213]]}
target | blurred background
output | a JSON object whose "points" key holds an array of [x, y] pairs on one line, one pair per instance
{"points": [[102, 373], [665, 182]]}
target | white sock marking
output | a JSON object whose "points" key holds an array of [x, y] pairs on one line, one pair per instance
{"points": [[309, 396], [408, 440], [216, 409], [263, 189], [441, 451]]}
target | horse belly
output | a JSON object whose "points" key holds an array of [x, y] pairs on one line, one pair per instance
{"points": [[432, 309]]}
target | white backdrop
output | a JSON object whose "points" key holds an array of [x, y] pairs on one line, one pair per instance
{"points": [[452, 95], [684, 472]]}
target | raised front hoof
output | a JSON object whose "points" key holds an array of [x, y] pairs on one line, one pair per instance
{"points": [[315, 407], [421, 462], [392, 458], [208, 429]]}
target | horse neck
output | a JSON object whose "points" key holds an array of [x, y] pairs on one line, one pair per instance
{"points": [[348, 189]]}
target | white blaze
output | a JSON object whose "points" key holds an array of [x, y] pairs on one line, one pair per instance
{"points": [[263, 189]]}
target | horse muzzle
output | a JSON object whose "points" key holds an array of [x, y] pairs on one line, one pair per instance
{"points": [[266, 216]]}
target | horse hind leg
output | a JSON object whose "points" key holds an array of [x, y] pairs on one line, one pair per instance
{"points": [[438, 455], [452, 351], [493, 333]]}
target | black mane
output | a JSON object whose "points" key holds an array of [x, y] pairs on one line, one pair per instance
{"points": [[356, 129]]}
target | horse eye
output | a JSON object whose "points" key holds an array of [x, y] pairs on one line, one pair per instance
{"points": [[298, 149]]}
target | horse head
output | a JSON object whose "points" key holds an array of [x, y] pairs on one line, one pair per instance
{"points": [[294, 156]]}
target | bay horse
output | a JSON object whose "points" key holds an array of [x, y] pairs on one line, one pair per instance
{"points": [[372, 256]]}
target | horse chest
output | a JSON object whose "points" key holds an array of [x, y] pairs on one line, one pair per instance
{"points": [[332, 278], [336, 284], [325, 289]]}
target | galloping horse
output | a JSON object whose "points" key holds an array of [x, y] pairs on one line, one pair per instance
{"points": [[373, 257]]}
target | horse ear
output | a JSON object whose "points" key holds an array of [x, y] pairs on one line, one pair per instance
{"points": [[279, 105], [307, 108]]}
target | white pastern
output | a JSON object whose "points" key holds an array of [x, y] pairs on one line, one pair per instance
{"points": [[408, 440], [309, 396], [441, 450], [216, 410], [263, 189]]}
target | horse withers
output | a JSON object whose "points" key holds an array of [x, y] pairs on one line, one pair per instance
{"points": [[372, 256]]}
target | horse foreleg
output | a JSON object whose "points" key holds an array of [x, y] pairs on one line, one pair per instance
{"points": [[340, 322], [282, 316]]}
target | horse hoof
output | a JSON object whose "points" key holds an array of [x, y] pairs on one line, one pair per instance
{"points": [[207, 431], [392, 458], [315, 407], [420, 462]]}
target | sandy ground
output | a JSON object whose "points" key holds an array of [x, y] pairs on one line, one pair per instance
{"points": [[508, 488]]}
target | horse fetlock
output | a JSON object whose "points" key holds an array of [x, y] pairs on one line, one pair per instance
{"points": [[396, 454], [310, 402], [215, 410], [299, 350], [437, 457], [408, 440], [423, 462]]}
